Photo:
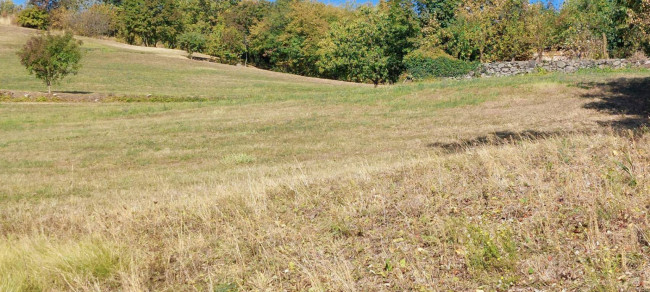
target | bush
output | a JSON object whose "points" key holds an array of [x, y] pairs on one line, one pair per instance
{"points": [[99, 19], [192, 42], [435, 63], [60, 18], [34, 17]]}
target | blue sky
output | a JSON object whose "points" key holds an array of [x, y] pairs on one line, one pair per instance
{"points": [[555, 2]]}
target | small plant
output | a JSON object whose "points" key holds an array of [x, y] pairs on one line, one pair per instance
{"points": [[487, 252], [51, 57], [192, 42], [34, 17], [240, 158], [541, 70]]}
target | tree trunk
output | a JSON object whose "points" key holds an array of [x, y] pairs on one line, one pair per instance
{"points": [[49, 88], [540, 52], [605, 53]]}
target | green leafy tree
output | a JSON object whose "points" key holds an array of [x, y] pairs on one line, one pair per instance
{"points": [[237, 22], [541, 28], [403, 33], [192, 42], [356, 49], [633, 23], [288, 38], [150, 22], [442, 11], [587, 27], [51, 57], [34, 17], [472, 32], [511, 38]]}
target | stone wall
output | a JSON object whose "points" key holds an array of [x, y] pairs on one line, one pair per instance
{"points": [[523, 67]]}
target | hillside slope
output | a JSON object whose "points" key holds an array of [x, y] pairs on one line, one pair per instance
{"points": [[109, 67], [274, 182]]}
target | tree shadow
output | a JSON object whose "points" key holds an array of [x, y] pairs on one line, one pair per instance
{"points": [[628, 97], [73, 92], [496, 138]]}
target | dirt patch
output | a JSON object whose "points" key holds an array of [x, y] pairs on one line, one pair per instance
{"points": [[7, 20], [57, 96]]}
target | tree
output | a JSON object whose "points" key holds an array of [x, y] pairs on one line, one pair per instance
{"points": [[587, 27], [34, 17], [150, 21], [541, 28], [7, 7], [403, 31], [192, 42], [442, 11], [473, 29], [288, 38], [511, 41], [51, 57], [356, 49], [639, 16]]}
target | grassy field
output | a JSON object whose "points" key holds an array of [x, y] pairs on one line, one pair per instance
{"points": [[236, 179]]}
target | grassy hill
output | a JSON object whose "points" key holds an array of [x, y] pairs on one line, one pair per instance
{"points": [[271, 181]]}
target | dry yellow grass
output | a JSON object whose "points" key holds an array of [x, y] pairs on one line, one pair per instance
{"points": [[538, 182]]}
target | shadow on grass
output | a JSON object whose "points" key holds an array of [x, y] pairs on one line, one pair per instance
{"points": [[73, 92], [628, 97], [497, 138]]}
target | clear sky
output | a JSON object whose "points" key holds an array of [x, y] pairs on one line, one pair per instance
{"points": [[557, 3]]}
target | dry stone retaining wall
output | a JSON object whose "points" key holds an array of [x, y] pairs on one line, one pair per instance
{"points": [[523, 67]]}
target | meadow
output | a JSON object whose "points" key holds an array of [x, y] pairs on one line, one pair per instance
{"points": [[153, 172]]}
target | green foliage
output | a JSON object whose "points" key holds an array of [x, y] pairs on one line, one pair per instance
{"points": [[442, 11], [426, 64], [34, 17], [488, 252], [150, 22], [230, 37], [288, 38], [51, 57], [192, 42], [583, 23], [226, 43], [370, 46], [511, 38], [541, 26], [356, 50]]}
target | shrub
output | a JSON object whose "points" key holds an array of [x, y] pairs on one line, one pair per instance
{"points": [[99, 19], [192, 42], [60, 18], [51, 57], [34, 17], [422, 64]]}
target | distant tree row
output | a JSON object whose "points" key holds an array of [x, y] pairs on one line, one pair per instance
{"points": [[375, 44]]}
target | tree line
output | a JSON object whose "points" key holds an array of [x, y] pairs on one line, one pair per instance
{"points": [[362, 43]]}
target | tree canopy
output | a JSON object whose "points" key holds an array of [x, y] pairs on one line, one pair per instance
{"points": [[51, 57], [360, 43]]}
